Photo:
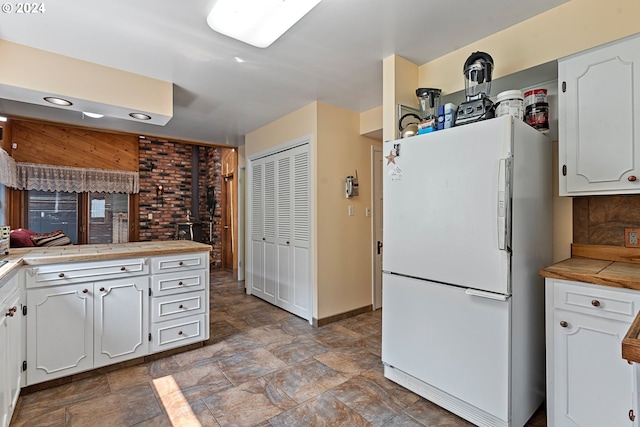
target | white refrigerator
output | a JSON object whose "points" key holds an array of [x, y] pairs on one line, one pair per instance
{"points": [[467, 227]]}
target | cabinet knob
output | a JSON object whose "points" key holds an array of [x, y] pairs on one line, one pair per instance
{"points": [[102, 289], [632, 178], [181, 263], [123, 268], [181, 306], [179, 332], [632, 416], [179, 283], [595, 303], [61, 275], [564, 324], [85, 291]]}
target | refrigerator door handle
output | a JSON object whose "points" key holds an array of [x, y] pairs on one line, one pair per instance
{"points": [[485, 294], [504, 205]]}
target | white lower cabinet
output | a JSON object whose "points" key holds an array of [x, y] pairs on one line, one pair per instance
{"points": [[11, 346], [588, 382], [77, 327], [179, 300]]}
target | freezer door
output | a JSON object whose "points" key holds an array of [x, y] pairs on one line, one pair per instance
{"points": [[448, 339], [447, 201]]}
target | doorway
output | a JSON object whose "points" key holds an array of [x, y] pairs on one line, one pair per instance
{"points": [[376, 232], [227, 220]]}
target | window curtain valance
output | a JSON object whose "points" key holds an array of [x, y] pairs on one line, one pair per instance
{"points": [[7, 169], [31, 176]]}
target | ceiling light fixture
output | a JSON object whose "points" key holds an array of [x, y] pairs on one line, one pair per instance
{"points": [[58, 101], [257, 22], [3, 119], [92, 115], [140, 116]]}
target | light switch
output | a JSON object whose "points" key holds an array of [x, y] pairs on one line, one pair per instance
{"points": [[367, 212], [350, 210], [150, 216]]}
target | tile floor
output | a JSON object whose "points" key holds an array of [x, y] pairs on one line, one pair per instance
{"points": [[261, 367]]}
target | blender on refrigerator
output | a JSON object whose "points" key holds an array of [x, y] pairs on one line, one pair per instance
{"points": [[477, 70], [429, 99]]}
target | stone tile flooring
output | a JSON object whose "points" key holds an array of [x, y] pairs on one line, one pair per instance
{"points": [[261, 367]]}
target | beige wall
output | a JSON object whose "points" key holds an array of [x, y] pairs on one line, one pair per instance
{"points": [[344, 242], [400, 80], [564, 30]]}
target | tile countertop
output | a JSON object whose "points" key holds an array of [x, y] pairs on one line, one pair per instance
{"points": [[609, 266], [54, 254]]}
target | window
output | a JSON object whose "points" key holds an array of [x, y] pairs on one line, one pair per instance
{"points": [[108, 218], [49, 211], [105, 215]]}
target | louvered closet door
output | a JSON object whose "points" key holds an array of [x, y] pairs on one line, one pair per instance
{"points": [[281, 230], [301, 233], [269, 238], [256, 267]]}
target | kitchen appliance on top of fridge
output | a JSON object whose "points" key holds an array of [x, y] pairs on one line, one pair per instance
{"points": [[477, 70], [467, 227]]}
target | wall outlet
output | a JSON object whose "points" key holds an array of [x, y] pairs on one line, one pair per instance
{"points": [[632, 237]]}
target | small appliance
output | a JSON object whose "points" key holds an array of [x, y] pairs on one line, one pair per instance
{"points": [[429, 99], [477, 71]]}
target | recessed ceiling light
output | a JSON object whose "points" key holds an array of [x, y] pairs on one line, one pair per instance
{"points": [[140, 116], [58, 101], [3, 119], [93, 115], [257, 22]]}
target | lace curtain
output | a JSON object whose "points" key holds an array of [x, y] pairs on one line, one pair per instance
{"points": [[31, 176], [7, 169]]}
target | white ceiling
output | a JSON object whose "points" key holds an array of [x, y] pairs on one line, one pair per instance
{"points": [[334, 55]]}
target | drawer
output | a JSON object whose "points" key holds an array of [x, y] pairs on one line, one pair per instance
{"points": [[179, 262], [182, 281], [78, 272], [175, 306], [179, 332], [596, 300]]}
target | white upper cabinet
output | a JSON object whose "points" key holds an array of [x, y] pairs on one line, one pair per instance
{"points": [[599, 120]]}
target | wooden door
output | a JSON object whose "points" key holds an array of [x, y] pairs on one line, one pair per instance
{"points": [[227, 223]]}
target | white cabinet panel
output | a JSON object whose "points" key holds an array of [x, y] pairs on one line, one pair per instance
{"points": [[59, 331], [121, 326], [599, 127], [588, 382]]}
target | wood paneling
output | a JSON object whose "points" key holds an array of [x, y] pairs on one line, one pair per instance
{"points": [[63, 145]]}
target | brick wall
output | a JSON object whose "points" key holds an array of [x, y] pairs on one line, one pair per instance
{"points": [[168, 164]]}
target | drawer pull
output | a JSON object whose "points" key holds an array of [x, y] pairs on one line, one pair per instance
{"points": [[564, 324], [123, 268], [632, 178], [595, 303], [632, 416], [84, 291], [181, 263], [181, 306], [102, 289], [179, 283], [61, 275], [179, 332]]}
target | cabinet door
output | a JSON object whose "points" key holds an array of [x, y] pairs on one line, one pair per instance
{"points": [[59, 331], [599, 97], [593, 384], [14, 350], [121, 320], [4, 380]]}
